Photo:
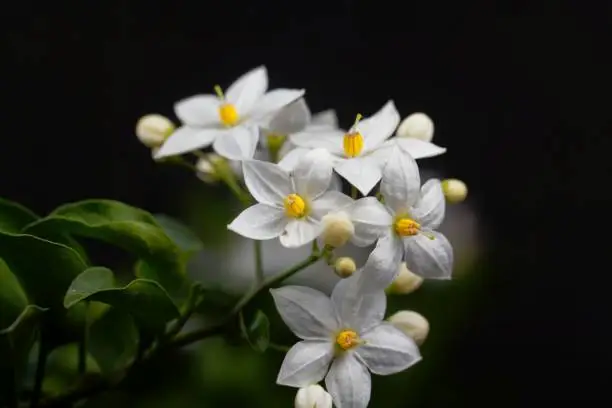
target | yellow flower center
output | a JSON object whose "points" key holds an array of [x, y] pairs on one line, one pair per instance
{"points": [[227, 112], [295, 206], [353, 140], [405, 227], [347, 339]]}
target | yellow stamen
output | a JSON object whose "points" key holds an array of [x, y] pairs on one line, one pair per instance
{"points": [[405, 227], [347, 339], [295, 206], [227, 112], [353, 140]]}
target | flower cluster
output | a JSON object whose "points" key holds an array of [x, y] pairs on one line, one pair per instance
{"points": [[292, 164]]}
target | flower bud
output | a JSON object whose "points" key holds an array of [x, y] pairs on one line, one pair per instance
{"points": [[417, 126], [405, 282], [153, 130], [454, 190], [207, 168], [337, 229], [313, 396], [344, 266], [412, 324]]}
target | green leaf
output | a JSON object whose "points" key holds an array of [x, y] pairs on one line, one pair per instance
{"points": [[127, 227], [12, 297], [113, 341], [44, 268], [14, 216], [180, 234], [146, 300], [258, 332]]}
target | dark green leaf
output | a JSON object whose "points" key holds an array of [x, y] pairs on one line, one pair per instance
{"points": [[113, 340], [258, 332], [144, 299], [13, 216], [127, 227], [181, 235], [12, 297]]}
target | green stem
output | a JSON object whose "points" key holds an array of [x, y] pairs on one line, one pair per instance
{"points": [[187, 311], [41, 363], [354, 192], [278, 347], [259, 273]]}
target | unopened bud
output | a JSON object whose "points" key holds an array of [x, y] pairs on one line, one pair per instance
{"points": [[454, 190], [417, 126], [153, 130], [207, 168], [405, 282], [344, 267], [412, 324], [337, 229], [313, 396]]}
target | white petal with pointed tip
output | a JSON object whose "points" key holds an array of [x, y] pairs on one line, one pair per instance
{"points": [[312, 174], [305, 363], [267, 182], [371, 220], [299, 232], [387, 350], [429, 258], [419, 149], [380, 126], [188, 139], [326, 118], [259, 221], [362, 172], [291, 159], [330, 139], [383, 264], [247, 90], [273, 101], [308, 313], [349, 382], [359, 308], [292, 118], [401, 182], [198, 110], [328, 202], [429, 210], [238, 144]]}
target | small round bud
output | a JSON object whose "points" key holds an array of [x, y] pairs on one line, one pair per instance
{"points": [[313, 396], [417, 126], [344, 267], [454, 190], [405, 282], [207, 168], [153, 130], [412, 324], [337, 229]]}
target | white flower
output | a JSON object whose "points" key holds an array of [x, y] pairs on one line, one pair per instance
{"points": [[313, 396], [414, 137], [356, 155], [221, 119], [412, 324], [290, 204], [343, 340], [406, 222]]}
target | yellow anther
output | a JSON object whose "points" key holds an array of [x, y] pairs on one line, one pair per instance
{"points": [[227, 112], [405, 227], [353, 144], [347, 339], [295, 206]]}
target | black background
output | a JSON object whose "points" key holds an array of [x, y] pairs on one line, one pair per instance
{"points": [[519, 91]]}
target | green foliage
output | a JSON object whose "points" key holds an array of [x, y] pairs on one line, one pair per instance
{"points": [[14, 217], [113, 341], [257, 333], [187, 241]]}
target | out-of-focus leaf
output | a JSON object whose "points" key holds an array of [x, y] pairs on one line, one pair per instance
{"points": [[14, 216], [113, 340], [180, 234], [257, 333], [12, 297]]}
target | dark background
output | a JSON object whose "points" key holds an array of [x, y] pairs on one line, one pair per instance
{"points": [[520, 94]]}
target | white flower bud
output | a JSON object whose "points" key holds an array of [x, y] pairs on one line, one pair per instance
{"points": [[455, 190], [344, 266], [153, 130], [412, 324], [337, 229], [313, 396], [207, 167], [417, 126], [405, 282]]}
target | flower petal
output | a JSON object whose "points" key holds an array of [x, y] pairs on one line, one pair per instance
{"points": [[308, 313], [430, 209], [419, 149], [300, 232], [383, 264], [359, 307], [429, 258], [292, 118], [371, 220], [267, 182], [328, 202], [326, 118], [362, 172], [198, 110], [380, 126], [326, 138], [247, 90], [312, 174], [238, 144], [260, 221], [349, 382], [273, 101], [291, 159], [387, 350], [305, 363], [401, 182], [187, 139]]}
